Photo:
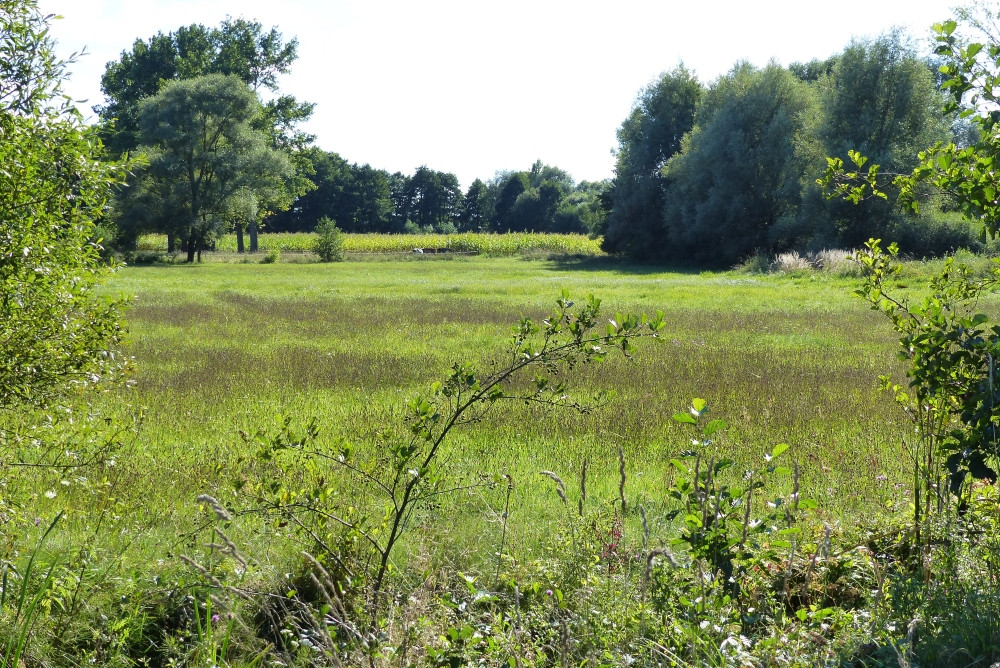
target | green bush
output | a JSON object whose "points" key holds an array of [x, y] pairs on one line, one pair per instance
{"points": [[329, 241]]}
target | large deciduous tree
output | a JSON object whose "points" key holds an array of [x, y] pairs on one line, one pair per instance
{"points": [[56, 333], [204, 153], [238, 47], [880, 99], [739, 172], [651, 135]]}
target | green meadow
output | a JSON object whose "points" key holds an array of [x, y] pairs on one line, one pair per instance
{"points": [[231, 359], [224, 348]]}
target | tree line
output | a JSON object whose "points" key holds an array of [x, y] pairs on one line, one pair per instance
{"points": [[705, 174], [361, 198], [214, 157], [711, 175]]}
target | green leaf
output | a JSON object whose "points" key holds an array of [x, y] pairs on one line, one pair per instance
{"points": [[779, 449], [722, 464], [698, 405], [714, 426], [684, 418]]}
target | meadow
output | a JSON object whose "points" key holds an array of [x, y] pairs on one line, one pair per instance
{"points": [[225, 354], [783, 358]]}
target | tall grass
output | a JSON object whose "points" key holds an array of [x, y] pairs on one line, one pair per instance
{"points": [[223, 350]]}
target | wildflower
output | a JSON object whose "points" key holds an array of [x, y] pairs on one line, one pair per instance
{"points": [[215, 618]]}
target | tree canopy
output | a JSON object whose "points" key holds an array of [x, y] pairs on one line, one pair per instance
{"points": [[237, 47], [205, 159], [56, 333], [651, 135], [712, 176]]}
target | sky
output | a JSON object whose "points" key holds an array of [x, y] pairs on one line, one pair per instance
{"points": [[474, 87]]}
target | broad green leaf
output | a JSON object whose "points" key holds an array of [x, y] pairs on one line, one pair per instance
{"points": [[685, 418]]}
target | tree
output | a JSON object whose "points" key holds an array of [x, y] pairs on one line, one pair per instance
{"points": [[475, 214], [203, 152], [369, 199], [56, 333], [238, 47], [358, 197], [432, 199], [964, 173], [880, 99], [649, 137], [583, 210], [329, 241], [738, 173], [331, 175], [509, 187]]}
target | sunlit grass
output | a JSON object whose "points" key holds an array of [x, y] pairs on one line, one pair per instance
{"points": [[222, 348], [494, 245]]}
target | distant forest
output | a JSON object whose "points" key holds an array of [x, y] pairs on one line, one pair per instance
{"points": [[706, 174]]}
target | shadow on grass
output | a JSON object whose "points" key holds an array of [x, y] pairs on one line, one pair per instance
{"points": [[616, 264]]}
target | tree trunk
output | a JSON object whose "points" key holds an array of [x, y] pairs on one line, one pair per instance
{"points": [[191, 245], [239, 239], [171, 243], [253, 237]]}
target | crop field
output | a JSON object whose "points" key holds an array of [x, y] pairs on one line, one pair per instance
{"points": [[224, 348], [494, 245]]}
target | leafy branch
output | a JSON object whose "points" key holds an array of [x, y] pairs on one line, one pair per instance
{"points": [[409, 472]]}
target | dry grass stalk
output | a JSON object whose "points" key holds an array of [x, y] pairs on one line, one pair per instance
{"points": [[621, 477], [560, 487]]}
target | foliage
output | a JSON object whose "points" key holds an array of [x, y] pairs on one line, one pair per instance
{"points": [[430, 199], [25, 600], [238, 47], [57, 334], [881, 101], [356, 540], [203, 152], [737, 163], [663, 113], [738, 173], [952, 398], [475, 214], [963, 172], [329, 241]]}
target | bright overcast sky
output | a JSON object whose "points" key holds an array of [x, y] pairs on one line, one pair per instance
{"points": [[473, 87]]}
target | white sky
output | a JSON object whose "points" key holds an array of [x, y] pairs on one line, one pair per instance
{"points": [[474, 86]]}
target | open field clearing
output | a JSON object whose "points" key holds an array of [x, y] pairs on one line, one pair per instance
{"points": [[234, 362], [223, 348]]}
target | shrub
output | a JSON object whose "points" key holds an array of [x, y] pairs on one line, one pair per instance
{"points": [[791, 262], [329, 241]]}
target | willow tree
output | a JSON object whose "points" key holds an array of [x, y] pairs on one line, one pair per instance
{"points": [[204, 152]]}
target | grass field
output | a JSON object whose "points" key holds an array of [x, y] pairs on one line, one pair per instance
{"points": [[783, 358], [224, 350]]}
